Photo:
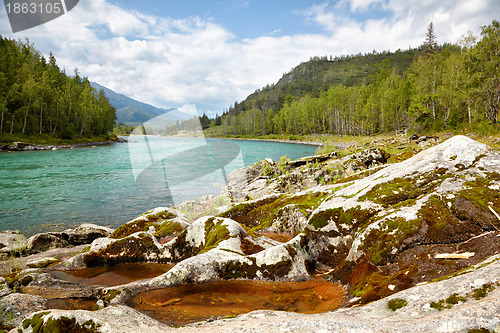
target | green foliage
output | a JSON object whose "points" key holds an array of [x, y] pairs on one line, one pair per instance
{"points": [[429, 89], [37, 97]]}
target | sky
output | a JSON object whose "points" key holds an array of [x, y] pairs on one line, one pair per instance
{"points": [[209, 54]]}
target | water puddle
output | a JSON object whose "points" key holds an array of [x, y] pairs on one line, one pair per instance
{"points": [[112, 275], [88, 304], [181, 305]]}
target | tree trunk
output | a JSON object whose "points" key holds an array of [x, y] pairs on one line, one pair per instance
{"points": [[41, 112], [12, 124]]}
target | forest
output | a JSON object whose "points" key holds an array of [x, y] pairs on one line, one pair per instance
{"points": [[431, 88], [38, 98]]}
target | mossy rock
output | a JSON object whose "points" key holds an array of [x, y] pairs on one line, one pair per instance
{"points": [[262, 214], [142, 223], [129, 249], [399, 190], [345, 220], [381, 244]]}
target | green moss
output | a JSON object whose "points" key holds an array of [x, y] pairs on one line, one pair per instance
{"points": [[397, 303], [455, 299], [479, 193], [111, 294], [214, 234], [321, 219], [401, 189], [448, 303], [167, 228], [480, 293], [380, 242], [262, 214], [148, 220], [439, 305], [60, 325]]}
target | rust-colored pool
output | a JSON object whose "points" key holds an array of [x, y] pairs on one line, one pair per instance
{"points": [[113, 275], [181, 305]]}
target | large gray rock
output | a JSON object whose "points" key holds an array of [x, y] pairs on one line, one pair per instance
{"points": [[11, 243], [44, 242], [87, 233], [250, 182], [16, 306]]}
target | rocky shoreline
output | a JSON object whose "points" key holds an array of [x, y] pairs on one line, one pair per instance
{"points": [[414, 244], [24, 146]]}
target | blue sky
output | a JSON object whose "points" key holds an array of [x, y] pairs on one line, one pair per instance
{"points": [[174, 53]]}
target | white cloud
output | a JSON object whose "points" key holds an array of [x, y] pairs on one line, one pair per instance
{"points": [[174, 62]]}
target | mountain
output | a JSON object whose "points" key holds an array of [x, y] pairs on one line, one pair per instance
{"points": [[320, 73], [132, 112]]}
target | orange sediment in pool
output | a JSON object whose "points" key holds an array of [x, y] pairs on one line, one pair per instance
{"points": [[181, 305], [113, 275]]}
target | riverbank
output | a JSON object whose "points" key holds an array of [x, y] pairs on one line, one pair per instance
{"points": [[49, 140], [25, 146]]}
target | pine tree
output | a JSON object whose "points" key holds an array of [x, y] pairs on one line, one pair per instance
{"points": [[430, 43]]}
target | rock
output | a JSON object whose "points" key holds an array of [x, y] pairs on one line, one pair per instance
{"points": [[239, 180], [311, 160], [291, 220], [380, 224], [112, 319], [164, 220], [16, 306], [11, 243], [42, 263], [87, 233], [368, 157], [4, 288], [45, 241]]}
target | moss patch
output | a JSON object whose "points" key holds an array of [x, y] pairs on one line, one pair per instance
{"points": [[401, 189], [480, 293], [262, 214], [346, 220], [473, 202], [167, 228], [214, 234], [60, 325], [448, 303], [383, 243], [397, 303], [142, 224]]}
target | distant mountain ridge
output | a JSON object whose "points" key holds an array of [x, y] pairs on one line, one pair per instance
{"points": [[132, 112]]}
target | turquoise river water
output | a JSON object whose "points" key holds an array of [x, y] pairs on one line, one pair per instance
{"points": [[54, 190]]}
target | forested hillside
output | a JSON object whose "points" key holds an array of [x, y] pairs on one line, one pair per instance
{"points": [[38, 98], [431, 88]]}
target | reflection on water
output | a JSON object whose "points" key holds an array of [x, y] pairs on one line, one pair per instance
{"points": [[181, 305], [112, 275]]}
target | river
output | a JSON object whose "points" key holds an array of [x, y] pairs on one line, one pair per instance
{"points": [[53, 190]]}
